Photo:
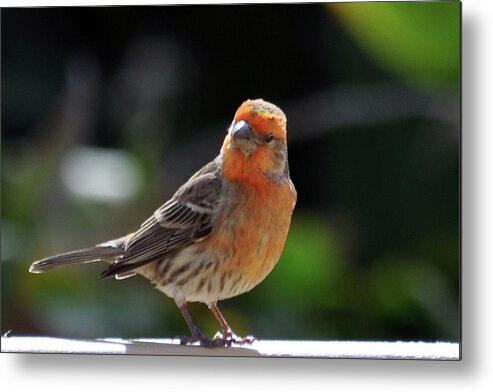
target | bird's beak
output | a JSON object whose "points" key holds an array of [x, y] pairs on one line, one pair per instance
{"points": [[241, 131]]}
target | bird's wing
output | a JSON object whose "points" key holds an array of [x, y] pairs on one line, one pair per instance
{"points": [[186, 218]]}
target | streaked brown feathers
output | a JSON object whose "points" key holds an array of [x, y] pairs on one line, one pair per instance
{"points": [[186, 218]]}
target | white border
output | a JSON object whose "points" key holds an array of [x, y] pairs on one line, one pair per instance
{"points": [[473, 373]]}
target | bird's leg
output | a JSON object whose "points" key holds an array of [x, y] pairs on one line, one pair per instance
{"points": [[227, 332], [197, 335], [227, 337]]}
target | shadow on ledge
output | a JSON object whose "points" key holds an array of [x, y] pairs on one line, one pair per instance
{"points": [[172, 347]]}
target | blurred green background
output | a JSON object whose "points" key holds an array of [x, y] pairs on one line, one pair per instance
{"points": [[107, 110]]}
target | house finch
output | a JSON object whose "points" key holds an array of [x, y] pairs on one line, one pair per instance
{"points": [[221, 233]]}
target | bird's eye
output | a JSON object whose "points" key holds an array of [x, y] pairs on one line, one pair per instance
{"points": [[269, 138]]}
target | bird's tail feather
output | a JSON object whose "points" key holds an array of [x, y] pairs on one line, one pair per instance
{"points": [[108, 250]]}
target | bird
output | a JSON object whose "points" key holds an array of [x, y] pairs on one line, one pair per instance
{"points": [[220, 234]]}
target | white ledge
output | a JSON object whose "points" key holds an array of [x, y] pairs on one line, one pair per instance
{"points": [[262, 348]]}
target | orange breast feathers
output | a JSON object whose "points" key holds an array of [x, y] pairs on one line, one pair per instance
{"points": [[252, 236]]}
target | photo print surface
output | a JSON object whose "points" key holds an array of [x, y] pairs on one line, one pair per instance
{"points": [[108, 111]]}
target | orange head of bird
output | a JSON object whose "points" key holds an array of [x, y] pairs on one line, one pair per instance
{"points": [[255, 147]]}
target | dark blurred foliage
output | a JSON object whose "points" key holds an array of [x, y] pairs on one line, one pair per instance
{"points": [[107, 110]]}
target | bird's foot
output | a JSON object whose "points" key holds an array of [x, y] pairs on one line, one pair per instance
{"points": [[203, 340], [229, 338]]}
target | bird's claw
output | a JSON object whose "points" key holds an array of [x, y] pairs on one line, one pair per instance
{"points": [[218, 341], [229, 338], [202, 340]]}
